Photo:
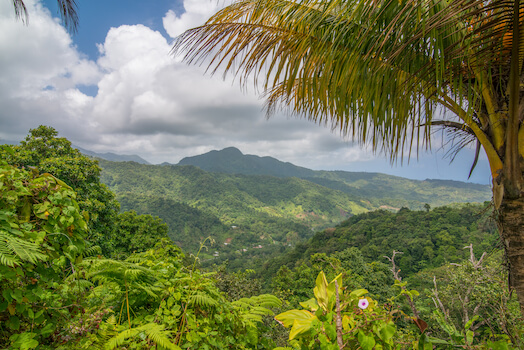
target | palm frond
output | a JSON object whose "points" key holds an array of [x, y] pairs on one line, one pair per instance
{"points": [[375, 72], [20, 10], [322, 62], [66, 8]]}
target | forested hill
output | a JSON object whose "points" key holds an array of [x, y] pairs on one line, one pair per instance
{"points": [[231, 161], [241, 212], [427, 238], [379, 189], [258, 209]]}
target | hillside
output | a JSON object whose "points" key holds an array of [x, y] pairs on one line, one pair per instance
{"points": [[379, 189], [258, 215], [427, 238], [257, 210]]}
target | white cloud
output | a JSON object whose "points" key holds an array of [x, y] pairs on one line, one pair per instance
{"points": [[147, 102], [197, 12]]}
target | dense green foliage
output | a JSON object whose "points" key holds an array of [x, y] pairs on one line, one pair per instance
{"points": [[135, 233], [42, 232], [188, 226], [239, 212], [43, 150], [378, 189], [428, 238], [56, 294], [253, 218]]}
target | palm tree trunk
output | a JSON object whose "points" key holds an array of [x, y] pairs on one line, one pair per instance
{"points": [[511, 228]]}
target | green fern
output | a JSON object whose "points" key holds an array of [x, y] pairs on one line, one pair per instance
{"points": [[252, 310], [202, 299], [153, 331], [14, 249]]}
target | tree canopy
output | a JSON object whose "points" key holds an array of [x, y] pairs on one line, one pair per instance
{"points": [[45, 152]]}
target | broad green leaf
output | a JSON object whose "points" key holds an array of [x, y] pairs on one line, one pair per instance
{"points": [[387, 332], [288, 318], [310, 304], [469, 336], [348, 322], [300, 326], [24, 341], [357, 293], [470, 322], [366, 342], [424, 342], [14, 322], [321, 291]]}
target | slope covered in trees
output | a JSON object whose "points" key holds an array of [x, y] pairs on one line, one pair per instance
{"points": [[427, 239], [379, 189], [241, 211]]}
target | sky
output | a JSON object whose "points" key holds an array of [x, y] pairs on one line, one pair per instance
{"points": [[114, 87]]}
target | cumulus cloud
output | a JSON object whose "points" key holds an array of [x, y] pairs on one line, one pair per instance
{"points": [[197, 12], [145, 101]]}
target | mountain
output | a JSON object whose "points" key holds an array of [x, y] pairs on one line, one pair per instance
{"points": [[253, 217], [379, 189], [241, 213], [232, 161], [113, 156]]}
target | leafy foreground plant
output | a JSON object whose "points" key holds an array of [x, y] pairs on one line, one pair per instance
{"points": [[41, 241], [58, 292], [335, 319], [155, 301], [338, 319]]}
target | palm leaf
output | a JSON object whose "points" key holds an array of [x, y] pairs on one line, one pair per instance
{"points": [[376, 72], [66, 8]]}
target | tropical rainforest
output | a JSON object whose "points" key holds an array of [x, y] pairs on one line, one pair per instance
{"points": [[97, 254]]}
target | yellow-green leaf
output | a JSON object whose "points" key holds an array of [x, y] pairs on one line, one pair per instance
{"points": [[289, 317]]}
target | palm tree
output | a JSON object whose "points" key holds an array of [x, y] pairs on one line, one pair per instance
{"points": [[387, 73], [67, 9]]}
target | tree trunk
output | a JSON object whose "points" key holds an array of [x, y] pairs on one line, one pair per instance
{"points": [[511, 228]]}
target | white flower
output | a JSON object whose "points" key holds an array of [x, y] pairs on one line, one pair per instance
{"points": [[363, 303]]}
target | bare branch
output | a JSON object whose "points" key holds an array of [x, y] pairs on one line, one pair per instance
{"points": [[393, 266]]}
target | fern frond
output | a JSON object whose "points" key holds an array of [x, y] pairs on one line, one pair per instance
{"points": [[153, 331], [253, 309], [121, 338], [14, 249], [83, 285], [157, 334], [202, 300], [92, 251], [263, 300]]}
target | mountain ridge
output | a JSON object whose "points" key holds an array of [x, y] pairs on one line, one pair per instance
{"points": [[362, 184], [113, 156]]}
